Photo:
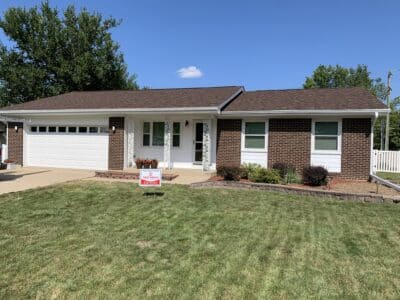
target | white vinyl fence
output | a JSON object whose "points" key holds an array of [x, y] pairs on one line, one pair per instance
{"points": [[386, 161]]}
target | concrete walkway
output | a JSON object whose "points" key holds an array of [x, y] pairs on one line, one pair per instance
{"points": [[31, 177]]}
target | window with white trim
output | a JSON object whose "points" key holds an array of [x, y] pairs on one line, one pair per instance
{"points": [[146, 134], [326, 136], [153, 133], [176, 134], [254, 135]]}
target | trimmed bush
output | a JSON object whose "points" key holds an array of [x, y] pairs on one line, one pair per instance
{"points": [[245, 169], [283, 168], [229, 172], [264, 175], [315, 176]]}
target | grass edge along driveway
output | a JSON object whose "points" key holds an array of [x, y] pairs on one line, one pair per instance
{"points": [[92, 239]]}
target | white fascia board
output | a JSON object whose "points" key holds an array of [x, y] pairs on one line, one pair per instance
{"points": [[322, 112], [227, 101], [11, 119], [176, 110]]}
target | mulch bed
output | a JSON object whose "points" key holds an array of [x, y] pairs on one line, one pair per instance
{"points": [[354, 190], [128, 175]]}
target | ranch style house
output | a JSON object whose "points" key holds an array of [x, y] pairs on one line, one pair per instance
{"points": [[199, 128]]}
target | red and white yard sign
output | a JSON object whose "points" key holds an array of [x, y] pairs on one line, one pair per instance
{"points": [[150, 177]]}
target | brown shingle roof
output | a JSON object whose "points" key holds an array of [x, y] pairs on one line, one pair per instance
{"points": [[152, 98], [310, 99], [211, 97]]}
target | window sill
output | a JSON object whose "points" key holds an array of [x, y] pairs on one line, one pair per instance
{"points": [[254, 150], [327, 152]]}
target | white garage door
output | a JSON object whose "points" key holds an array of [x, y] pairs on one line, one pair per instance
{"points": [[67, 147]]}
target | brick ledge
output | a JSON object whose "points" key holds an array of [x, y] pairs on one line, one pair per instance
{"points": [[298, 191]]}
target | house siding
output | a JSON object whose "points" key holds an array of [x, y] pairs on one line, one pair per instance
{"points": [[356, 148], [229, 142], [16, 142], [116, 144], [289, 141]]}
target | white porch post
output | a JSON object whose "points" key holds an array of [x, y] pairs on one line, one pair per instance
{"points": [[167, 144], [131, 142], [206, 145]]}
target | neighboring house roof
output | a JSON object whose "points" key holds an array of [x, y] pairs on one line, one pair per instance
{"points": [[306, 99], [211, 97], [229, 100]]}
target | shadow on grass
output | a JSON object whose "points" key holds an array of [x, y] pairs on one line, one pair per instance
{"points": [[153, 194]]}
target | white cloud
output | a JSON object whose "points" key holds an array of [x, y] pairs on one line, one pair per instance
{"points": [[190, 72]]}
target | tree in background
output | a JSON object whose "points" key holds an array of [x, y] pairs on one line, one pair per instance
{"points": [[338, 76], [53, 54], [394, 132]]}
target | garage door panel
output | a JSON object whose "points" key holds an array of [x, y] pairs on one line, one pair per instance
{"points": [[81, 151]]}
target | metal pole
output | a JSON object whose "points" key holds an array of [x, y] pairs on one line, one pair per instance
{"points": [[388, 115]]}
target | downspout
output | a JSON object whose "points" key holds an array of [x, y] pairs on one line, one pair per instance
{"points": [[371, 171]]}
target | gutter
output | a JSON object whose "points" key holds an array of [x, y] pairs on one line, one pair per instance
{"points": [[294, 112], [209, 109]]}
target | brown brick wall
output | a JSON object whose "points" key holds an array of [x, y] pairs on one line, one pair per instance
{"points": [[116, 144], [356, 148], [229, 142], [16, 142], [289, 141]]}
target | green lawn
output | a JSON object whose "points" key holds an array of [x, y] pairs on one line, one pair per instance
{"points": [[394, 177], [91, 240]]}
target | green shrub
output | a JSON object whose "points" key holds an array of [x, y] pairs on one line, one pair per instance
{"points": [[315, 175], [229, 172], [246, 169], [291, 177], [284, 168], [260, 174]]}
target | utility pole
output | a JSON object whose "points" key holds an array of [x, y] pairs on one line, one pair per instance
{"points": [[388, 115]]}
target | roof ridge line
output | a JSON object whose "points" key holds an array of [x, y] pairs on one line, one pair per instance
{"points": [[303, 89], [161, 89]]}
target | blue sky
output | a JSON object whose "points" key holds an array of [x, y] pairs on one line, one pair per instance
{"points": [[258, 44]]}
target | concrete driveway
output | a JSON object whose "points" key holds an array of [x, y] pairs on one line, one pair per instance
{"points": [[31, 177]]}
